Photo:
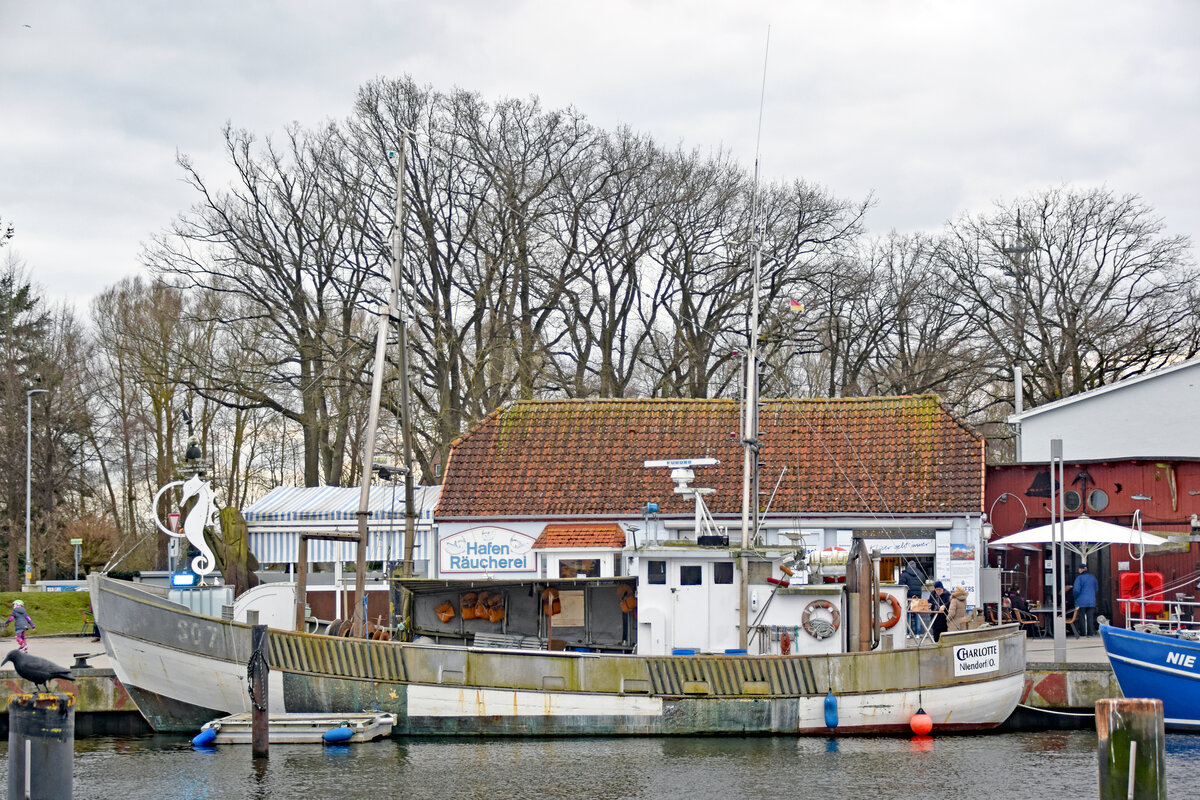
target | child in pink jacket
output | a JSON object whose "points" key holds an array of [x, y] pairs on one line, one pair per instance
{"points": [[21, 622]]}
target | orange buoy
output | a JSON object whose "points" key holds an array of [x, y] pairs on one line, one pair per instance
{"points": [[628, 598], [921, 723], [467, 603]]}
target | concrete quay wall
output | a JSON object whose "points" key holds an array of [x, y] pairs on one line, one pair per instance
{"points": [[102, 706]]}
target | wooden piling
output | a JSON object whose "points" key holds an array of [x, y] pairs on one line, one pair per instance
{"points": [[301, 583], [260, 714], [41, 746], [1131, 749]]}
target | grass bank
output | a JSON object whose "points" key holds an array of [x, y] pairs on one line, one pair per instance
{"points": [[52, 612]]}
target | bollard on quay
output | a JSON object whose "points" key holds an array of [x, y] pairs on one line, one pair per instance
{"points": [[1131, 746], [41, 746]]}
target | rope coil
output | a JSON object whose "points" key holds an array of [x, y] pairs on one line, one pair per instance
{"points": [[259, 661]]}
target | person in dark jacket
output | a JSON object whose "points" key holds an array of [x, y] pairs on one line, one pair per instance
{"points": [[939, 602], [910, 576], [1084, 593]]}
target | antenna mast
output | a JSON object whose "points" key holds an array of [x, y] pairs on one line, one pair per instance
{"points": [[750, 414]]}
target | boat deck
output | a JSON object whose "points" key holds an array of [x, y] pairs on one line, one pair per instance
{"points": [[62, 649]]}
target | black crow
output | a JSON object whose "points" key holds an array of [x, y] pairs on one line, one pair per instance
{"points": [[35, 669]]}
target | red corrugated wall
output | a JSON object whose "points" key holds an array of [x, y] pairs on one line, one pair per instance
{"points": [[1166, 492]]}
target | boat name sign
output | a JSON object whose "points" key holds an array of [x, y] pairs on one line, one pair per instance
{"points": [[975, 659], [1181, 659]]}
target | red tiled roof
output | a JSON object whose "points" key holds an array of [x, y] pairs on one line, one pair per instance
{"points": [[879, 455], [568, 535]]}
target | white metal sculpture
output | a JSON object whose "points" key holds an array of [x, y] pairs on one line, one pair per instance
{"points": [[203, 514]]}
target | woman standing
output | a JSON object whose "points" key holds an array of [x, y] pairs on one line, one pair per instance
{"points": [[956, 617]]}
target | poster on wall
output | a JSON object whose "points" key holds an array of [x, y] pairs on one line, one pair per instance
{"points": [[962, 570], [941, 555], [486, 550]]}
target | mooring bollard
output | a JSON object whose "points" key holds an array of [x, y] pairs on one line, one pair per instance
{"points": [[259, 716], [41, 746], [1131, 749]]}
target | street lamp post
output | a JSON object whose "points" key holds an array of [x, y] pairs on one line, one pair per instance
{"points": [[29, 393]]}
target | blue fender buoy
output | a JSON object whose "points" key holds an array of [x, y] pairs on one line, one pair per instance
{"points": [[337, 735], [204, 738], [831, 718]]}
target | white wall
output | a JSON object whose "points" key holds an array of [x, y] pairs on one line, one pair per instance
{"points": [[1156, 416], [671, 615]]}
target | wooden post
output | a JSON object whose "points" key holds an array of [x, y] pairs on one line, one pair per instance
{"points": [[1131, 749], [359, 617], [301, 582], [260, 715], [41, 746]]}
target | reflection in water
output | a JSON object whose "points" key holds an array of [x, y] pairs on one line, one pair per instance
{"points": [[1027, 765], [259, 768], [922, 744]]}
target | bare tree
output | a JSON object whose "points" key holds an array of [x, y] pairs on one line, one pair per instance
{"points": [[612, 223], [1081, 287], [287, 242], [918, 338]]}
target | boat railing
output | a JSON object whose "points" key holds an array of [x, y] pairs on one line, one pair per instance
{"points": [[1179, 614]]}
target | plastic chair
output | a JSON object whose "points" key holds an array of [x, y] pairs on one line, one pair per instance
{"points": [[1028, 622]]}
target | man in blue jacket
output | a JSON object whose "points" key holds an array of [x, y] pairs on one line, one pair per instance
{"points": [[1084, 592]]}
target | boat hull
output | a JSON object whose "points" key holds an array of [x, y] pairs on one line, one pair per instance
{"points": [[187, 666], [1158, 666]]}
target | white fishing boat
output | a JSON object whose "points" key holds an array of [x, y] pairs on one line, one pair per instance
{"points": [[607, 655], [183, 669]]}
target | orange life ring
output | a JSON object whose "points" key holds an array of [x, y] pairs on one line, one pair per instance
{"points": [[819, 628], [891, 600]]}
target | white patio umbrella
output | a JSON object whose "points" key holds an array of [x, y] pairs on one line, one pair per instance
{"points": [[1082, 535]]}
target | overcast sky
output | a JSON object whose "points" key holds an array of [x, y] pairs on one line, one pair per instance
{"points": [[934, 108]]}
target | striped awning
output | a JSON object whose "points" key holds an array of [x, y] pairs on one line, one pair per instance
{"points": [[275, 522]]}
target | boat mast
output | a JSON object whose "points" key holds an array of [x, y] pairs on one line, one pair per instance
{"points": [[750, 443], [386, 312], [398, 239]]}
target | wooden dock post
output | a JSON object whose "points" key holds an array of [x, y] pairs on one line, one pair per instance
{"points": [[41, 746], [260, 715], [1131, 749]]}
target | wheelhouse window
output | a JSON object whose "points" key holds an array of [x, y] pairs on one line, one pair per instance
{"points": [[690, 576], [723, 572], [580, 568], [657, 571]]}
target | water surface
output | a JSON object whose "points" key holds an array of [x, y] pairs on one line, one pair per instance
{"points": [[1017, 766]]}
